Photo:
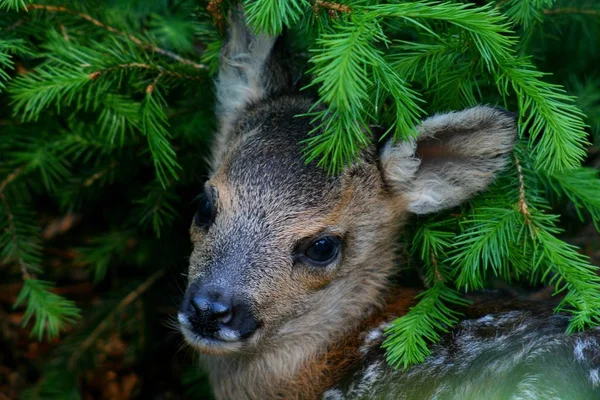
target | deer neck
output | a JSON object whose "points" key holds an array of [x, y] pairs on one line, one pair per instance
{"points": [[303, 367]]}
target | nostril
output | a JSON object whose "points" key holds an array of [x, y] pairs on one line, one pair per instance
{"points": [[209, 310], [222, 313], [201, 304]]}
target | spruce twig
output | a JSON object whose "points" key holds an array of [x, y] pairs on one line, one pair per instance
{"points": [[572, 11], [523, 208], [109, 28]]}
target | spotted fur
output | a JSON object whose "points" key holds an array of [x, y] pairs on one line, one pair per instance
{"points": [[519, 354], [320, 328]]}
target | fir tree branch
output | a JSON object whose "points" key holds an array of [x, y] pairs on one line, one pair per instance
{"points": [[52, 312], [550, 115], [154, 123], [23, 244], [572, 11], [109, 28], [523, 208], [271, 16], [161, 70], [408, 336], [13, 4]]}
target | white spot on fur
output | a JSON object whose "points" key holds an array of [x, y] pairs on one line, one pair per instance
{"points": [[333, 394], [182, 319], [372, 337], [368, 379], [228, 335], [370, 376], [595, 377], [486, 319], [580, 346]]}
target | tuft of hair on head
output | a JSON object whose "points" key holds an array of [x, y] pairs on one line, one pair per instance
{"points": [[454, 156]]}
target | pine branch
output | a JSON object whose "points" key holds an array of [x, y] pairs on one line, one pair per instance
{"points": [[89, 18], [485, 26], [154, 126], [52, 312], [545, 108], [104, 251], [346, 64], [408, 336], [587, 98], [7, 49], [157, 208], [485, 242], [13, 4], [119, 116], [19, 237], [572, 272], [271, 16], [581, 186], [594, 13], [543, 105], [527, 12]]}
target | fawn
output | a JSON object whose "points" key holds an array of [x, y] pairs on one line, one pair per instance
{"points": [[289, 280]]}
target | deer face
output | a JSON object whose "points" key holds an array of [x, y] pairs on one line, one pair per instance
{"points": [[284, 252]]}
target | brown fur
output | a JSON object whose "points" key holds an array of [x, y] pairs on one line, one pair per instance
{"points": [[344, 355]]}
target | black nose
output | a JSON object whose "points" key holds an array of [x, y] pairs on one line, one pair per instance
{"points": [[212, 306], [217, 313]]}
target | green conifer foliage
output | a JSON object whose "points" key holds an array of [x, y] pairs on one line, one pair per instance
{"points": [[107, 115]]}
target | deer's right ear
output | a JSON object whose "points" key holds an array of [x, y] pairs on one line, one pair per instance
{"points": [[249, 70], [455, 156]]}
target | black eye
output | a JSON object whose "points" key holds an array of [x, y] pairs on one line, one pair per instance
{"points": [[323, 250], [205, 213]]}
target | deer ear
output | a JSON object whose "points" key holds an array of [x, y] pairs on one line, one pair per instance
{"points": [[454, 156], [249, 69]]}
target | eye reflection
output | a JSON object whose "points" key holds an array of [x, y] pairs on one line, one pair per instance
{"points": [[323, 251]]}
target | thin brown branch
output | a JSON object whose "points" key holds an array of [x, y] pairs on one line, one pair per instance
{"points": [[343, 8], [127, 300], [331, 7], [436, 271], [523, 208], [109, 28], [14, 26], [501, 3], [63, 30], [214, 9], [572, 11], [97, 74], [24, 272], [10, 177], [89, 181], [150, 87]]}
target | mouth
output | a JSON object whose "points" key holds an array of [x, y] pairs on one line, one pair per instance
{"points": [[221, 342]]}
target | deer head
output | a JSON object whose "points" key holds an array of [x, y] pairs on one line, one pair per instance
{"points": [[285, 253]]}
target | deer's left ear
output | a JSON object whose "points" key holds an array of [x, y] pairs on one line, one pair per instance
{"points": [[250, 69], [454, 156]]}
